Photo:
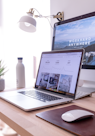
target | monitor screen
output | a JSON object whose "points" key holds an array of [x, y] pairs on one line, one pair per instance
{"points": [[76, 33]]}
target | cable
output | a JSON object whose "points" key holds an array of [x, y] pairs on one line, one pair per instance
{"points": [[49, 23], [44, 17]]}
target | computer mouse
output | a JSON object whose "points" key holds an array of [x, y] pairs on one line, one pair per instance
{"points": [[76, 114]]}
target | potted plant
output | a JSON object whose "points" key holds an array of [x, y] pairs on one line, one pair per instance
{"points": [[2, 73]]}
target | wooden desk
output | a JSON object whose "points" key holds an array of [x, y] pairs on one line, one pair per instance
{"points": [[27, 124]]}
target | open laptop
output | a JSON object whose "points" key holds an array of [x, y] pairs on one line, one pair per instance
{"points": [[56, 81]]}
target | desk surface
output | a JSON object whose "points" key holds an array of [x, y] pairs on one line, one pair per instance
{"points": [[27, 124]]}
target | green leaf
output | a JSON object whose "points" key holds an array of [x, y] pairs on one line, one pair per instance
{"points": [[2, 68]]}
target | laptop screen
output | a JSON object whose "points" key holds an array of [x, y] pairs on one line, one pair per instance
{"points": [[58, 71]]}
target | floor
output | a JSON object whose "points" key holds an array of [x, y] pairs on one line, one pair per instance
{"points": [[5, 130]]}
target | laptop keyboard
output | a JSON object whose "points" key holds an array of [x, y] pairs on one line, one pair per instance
{"points": [[39, 96]]}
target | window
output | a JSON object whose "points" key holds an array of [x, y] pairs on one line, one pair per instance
{"points": [[16, 43]]}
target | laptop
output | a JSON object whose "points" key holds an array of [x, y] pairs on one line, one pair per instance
{"points": [[56, 81]]}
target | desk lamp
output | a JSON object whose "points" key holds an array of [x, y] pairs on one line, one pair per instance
{"points": [[28, 23]]}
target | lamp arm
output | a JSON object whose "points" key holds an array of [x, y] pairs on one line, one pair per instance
{"points": [[59, 16]]}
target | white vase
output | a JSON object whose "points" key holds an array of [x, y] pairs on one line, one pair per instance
{"points": [[2, 84]]}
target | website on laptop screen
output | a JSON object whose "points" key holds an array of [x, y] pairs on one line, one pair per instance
{"points": [[58, 72]]}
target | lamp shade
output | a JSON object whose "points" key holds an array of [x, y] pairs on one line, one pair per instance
{"points": [[27, 23]]}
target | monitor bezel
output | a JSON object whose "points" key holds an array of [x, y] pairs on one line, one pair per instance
{"points": [[68, 21]]}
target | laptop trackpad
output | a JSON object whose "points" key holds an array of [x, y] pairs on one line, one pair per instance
{"points": [[24, 102]]}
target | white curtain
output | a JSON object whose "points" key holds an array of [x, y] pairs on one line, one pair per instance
{"points": [[17, 43]]}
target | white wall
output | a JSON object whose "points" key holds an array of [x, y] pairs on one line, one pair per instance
{"points": [[17, 43]]}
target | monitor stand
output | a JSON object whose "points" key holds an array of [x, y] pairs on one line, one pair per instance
{"points": [[89, 85]]}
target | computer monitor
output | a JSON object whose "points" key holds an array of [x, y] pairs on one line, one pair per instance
{"points": [[74, 33]]}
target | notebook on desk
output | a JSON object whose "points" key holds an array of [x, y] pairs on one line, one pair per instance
{"points": [[56, 81]]}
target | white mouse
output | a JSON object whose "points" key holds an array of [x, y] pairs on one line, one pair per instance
{"points": [[76, 114]]}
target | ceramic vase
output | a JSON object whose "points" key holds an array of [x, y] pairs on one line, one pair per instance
{"points": [[2, 84]]}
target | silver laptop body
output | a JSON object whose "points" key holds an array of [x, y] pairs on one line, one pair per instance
{"points": [[56, 81]]}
